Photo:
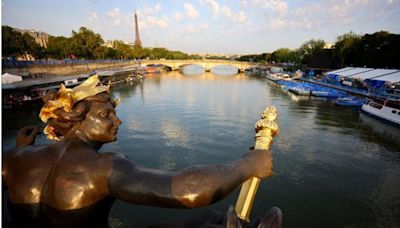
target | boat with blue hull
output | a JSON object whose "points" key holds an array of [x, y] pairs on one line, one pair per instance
{"points": [[350, 101], [328, 93]]}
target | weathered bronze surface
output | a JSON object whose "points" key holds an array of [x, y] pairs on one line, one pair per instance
{"points": [[70, 184]]}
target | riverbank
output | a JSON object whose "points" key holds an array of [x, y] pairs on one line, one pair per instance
{"points": [[66, 68]]}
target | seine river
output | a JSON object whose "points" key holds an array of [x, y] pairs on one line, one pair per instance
{"points": [[334, 166]]}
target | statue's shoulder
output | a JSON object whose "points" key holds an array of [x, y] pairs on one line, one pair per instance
{"points": [[113, 155], [109, 162], [115, 159], [29, 151]]}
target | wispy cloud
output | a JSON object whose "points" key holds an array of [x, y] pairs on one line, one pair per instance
{"points": [[277, 23], [93, 16], [239, 17], [277, 6], [149, 18], [226, 11], [152, 21], [243, 4], [191, 11], [115, 17], [178, 16], [204, 26], [215, 8], [189, 28]]}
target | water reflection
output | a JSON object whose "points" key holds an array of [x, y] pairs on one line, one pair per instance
{"points": [[224, 70], [377, 131], [174, 134], [384, 199], [192, 69], [334, 167]]}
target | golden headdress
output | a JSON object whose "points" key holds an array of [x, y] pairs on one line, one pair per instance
{"points": [[66, 98]]}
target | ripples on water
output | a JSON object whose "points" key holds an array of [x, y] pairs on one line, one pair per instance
{"points": [[334, 167]]}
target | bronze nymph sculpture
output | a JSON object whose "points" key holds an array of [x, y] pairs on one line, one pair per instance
{"points": [[70, 184]]}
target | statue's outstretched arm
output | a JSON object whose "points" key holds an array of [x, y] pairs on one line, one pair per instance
{"points": [[187, 188]]}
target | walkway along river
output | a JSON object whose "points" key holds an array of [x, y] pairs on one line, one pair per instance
{"points": [[334, 167]]}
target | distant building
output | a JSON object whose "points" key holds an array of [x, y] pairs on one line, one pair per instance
{"points": [[42, 38], [112, 43], [221, 55]]}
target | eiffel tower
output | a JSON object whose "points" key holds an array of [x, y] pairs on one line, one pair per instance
{"points": [[137, 39]]}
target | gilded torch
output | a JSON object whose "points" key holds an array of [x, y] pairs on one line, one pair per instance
{"points": [[266, 129]]}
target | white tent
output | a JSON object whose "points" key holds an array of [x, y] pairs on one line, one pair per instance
{"points": [[10, 78]]}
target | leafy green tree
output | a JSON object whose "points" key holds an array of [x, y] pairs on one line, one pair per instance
{"points": [[58, 47], [12, 42], [84, 42], [310, 48], [344, 45], [123, 51], [30, 47], [16, 44], [284, 55], [254, 58], [379, 50], [138, 52], [111, 53]]}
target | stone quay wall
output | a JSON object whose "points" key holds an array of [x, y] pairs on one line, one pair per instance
{"points": [[64, 69]]}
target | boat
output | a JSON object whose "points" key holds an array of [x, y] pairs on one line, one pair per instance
{"points": [[278, 76], [388, 111], [272, 77], [152, 70], [300, 90], [328, 93], [156, 68], [350, 101]]}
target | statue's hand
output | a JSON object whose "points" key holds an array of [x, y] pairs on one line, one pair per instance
{"points": [[26, 136], [260, 162]]}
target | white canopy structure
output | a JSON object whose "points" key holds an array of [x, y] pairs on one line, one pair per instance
{"points": [[393, 78], [353, 71], [10, 78], [373, 74], [339, 70]]}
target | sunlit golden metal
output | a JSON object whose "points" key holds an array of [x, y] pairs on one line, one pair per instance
{"points": [[265, 128]]}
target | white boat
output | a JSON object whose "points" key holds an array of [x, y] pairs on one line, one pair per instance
{"points": [[383, 111], [278, 76], [272, 77]]}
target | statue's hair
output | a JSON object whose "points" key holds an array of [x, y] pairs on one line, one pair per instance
{"points": [[65, 121]]}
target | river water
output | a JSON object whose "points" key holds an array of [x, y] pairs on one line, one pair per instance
{"points": [[334, 166]]}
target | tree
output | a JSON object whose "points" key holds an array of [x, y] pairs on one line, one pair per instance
{"points": [[284, 55], [309, 49], [84, 42], [16, 44], [30, 47], [344, 45], [12, 42], [379, 50], [138, 52], [58, 47], [123, 51]]}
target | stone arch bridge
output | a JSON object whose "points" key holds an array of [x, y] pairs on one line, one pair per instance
{"points": [[206, 63]]}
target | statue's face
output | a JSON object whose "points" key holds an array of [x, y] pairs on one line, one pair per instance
{"points": [[101, 123]]}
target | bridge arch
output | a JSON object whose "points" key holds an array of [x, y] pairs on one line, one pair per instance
{"points": [[206, 63]]}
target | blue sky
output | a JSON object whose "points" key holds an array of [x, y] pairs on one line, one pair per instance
{"points": [[208, 26]]}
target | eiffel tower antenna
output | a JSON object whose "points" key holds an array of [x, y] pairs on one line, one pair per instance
{"points": [[137, 37]]}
